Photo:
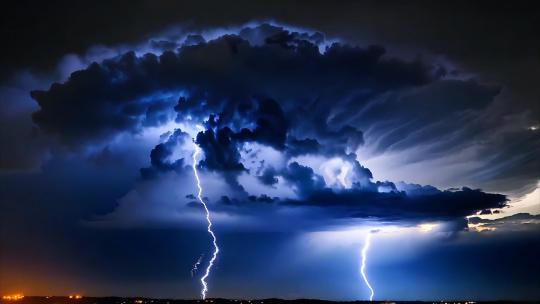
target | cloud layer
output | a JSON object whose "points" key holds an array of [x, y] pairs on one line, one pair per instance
{"points": [[280, 116]]}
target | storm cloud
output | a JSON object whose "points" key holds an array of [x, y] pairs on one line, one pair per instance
{"points": [[221, 75], [294, 93]]}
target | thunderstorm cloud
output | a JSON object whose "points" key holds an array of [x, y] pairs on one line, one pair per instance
{"points": [[281, 116]]}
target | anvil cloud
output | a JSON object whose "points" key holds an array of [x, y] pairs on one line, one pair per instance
{"points": [[267, 88]]}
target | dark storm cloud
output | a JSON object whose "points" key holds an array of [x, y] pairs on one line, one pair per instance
{"points": [[302, 146], [160, 156], [275, 87], [270, 125], [513, 65], [431, 107], [519, 221], [416, 204], [223, 74], [164, 45], [194, 40], [303, 178], [367, 199], [265, 116], [107, 104], [220, 148], [443, 205], [268, 176]]}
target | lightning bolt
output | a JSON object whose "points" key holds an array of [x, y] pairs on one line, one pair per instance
{"points": [[363, 267], [209, 227], [196, 265]]}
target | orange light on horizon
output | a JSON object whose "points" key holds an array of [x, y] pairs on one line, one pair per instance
{"points": [[13, 297], [75, 296]]}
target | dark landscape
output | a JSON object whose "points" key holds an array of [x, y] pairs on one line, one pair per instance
{"points": [[121, 300]]}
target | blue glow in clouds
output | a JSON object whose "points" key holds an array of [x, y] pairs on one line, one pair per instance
{"points": [[209, 228], [363, 267]]}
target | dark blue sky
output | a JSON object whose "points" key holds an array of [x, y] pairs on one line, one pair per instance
{"points": [[312, 136]]}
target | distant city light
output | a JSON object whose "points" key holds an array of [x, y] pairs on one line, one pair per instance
{"points": [[13, 297], [75, 296]]}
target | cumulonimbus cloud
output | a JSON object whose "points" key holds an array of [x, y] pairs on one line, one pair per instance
{"points": [[288, 91]]}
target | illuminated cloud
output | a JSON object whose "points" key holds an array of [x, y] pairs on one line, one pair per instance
{"points": [[267, 87]]}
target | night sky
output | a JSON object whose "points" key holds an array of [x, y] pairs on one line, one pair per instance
{"points": [[416, 123]]}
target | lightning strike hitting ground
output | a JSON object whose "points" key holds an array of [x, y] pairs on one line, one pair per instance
{"points": [[363, 267], [209, 228]]}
